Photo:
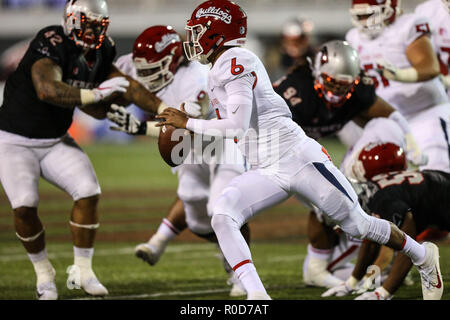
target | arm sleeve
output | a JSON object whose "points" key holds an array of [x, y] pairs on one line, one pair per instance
{"points": [[401, 121], [239, 110]]}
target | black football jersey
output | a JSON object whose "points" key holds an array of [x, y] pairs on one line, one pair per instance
{"points": [[312, 112], [426, 194], [22, 112]]}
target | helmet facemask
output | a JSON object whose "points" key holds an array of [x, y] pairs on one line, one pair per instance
{"points": [[335, 90], [156, 75], [86, 30], [192, 46], [371, 19]]}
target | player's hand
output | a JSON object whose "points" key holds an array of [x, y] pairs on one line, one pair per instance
{"points": [[125, 121], [173, 117], [387, 69], [379, 294], [413, 152], [109, 87], [194, 110], [344, 289]]}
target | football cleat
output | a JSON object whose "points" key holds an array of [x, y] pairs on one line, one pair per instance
{"points": [[148, 253], [237, 289], [430, 273], [258, 295], [47, 291], [315, 274], [90, 284]]}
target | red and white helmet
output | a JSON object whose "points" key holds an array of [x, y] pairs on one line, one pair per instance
{"points": [[214, 24], [380, 158], [371, 16], [157, 53]]}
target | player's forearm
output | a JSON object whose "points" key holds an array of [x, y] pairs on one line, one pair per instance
{"points": [[141, 96], [400, 268], [59, 94], [367, 254]]}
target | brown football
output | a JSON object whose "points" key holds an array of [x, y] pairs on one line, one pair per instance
{"points": [[174, 145]]}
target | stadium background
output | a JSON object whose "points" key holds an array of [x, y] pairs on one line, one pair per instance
{"points": [[138, 186]]}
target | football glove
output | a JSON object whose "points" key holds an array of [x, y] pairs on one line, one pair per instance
{"points": [[108, 87], [126, 122], [344, 289], [391, 72], [413, 152], [380, 293]]}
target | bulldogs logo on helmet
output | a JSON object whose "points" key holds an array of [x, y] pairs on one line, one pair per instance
{"points": [[371, 16], [380, 158], [86, 22], [157, 53], [214, 24], [336, 70]]}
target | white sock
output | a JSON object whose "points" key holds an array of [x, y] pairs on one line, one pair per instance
{"points": [[414, 250], [320, 254], [250, 278], [165, 233], [83, 257], [42, 267]]}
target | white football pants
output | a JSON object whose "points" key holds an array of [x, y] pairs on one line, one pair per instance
{"points": [[59, 161]]}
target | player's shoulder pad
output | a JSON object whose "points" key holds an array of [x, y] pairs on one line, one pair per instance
{"points": [[426, 8], [233, 64], [351, 35], [50, 42], [415, 25], [125, 64]]}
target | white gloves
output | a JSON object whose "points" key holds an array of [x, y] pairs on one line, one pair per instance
{"points": [[344, 289], [379, 294], [391, 72], [104, 90], [194, 110], [125, 121], [413, 152]]}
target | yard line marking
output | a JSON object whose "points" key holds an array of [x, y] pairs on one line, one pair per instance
{"points": [[110, 252], [155, 295]]}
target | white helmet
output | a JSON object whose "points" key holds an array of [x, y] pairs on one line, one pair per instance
{"points": [[86, 22], [371, 16], [336, 70]]}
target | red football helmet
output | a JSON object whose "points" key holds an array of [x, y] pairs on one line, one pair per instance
{"points": [[371, 16], [214, 24], [375, 159], [157, 53]]}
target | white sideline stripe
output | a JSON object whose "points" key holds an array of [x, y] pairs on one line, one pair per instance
{"points": [[155, 295], [109, 252]]}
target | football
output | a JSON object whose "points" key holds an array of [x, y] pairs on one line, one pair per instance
{"points": [[174, 145]]}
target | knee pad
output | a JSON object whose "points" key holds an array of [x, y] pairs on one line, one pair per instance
{"points": [[221, 222], [86, 190], [30, 200], [357, 223]]}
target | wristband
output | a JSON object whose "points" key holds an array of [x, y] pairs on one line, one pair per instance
{"points": [[87, 96], [151, 129], [162, 106], [352, 282], [406, 75]]}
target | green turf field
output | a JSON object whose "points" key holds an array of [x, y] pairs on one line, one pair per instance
{"points": [[138, 188]]}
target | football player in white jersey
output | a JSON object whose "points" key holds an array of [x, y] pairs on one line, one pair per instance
{"points": [[158, 62], [284, 161], [438, 13], [396, 50]]}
